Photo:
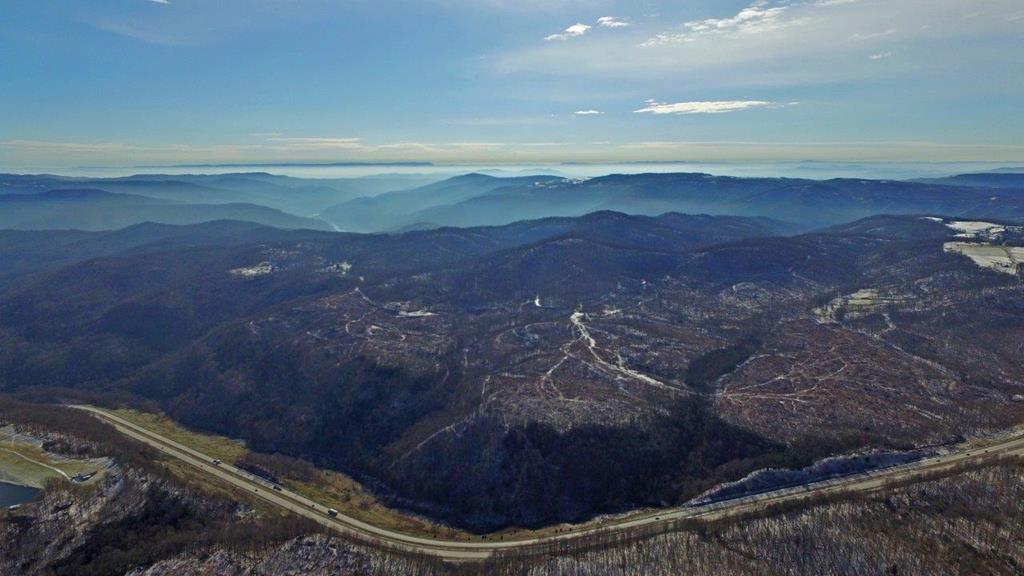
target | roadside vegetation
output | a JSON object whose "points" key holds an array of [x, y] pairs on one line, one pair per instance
{"points": [[148, 514], [142, 510], [333, 489], [959, 522], [28, 465]]}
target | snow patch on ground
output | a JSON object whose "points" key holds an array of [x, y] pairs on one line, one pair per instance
{"points": [[834, 467], [340, 268], [859, 304], [1000, 258], [416, 314], [976, 229], [986, 251], [261, 269]]}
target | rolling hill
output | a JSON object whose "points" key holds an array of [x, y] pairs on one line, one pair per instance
{"points": [[94, 209], [393, 210], [637, 360], [302, 196], [476, 200]]}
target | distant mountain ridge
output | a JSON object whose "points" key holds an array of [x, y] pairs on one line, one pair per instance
{"points": [[1005, 178], [94, 209], [399, 209], [301, 196], [476, 200], [374, 205], [27, 252]]}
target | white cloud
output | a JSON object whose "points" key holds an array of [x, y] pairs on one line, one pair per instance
{"points": [[36, 154], [861, 36], [778, 43], [143, 34], [573, 31], [850, 151], [757, 15], [476, 145], [707, 107], [501, 121], [317, 143], [760, 16], [64, 147], [294, 139], [881, 55], [611, 22], [588, 112], [164, 2], [518, 6]]}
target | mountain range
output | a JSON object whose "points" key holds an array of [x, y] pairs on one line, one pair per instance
{"points": [[477, 200], [301, 196], [94, 209], [389, 204], [533, 373]]}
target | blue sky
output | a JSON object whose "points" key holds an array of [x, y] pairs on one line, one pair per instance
{"points": [[126, 82]]}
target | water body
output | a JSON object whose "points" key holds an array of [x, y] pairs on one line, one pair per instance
{"points": [[11, 494]]}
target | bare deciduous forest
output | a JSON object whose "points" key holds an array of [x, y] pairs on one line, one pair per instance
{"points": [[144, 520]]}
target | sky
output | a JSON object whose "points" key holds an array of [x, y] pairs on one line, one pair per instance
{"points": [[151, 82]]}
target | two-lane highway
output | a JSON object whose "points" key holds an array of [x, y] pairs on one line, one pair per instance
{"points": [[467, 551]]}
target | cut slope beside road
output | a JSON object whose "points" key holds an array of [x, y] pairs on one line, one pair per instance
{"points": [[468, 551]]}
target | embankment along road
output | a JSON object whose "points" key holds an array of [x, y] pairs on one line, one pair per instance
{"points": [[647, 521]]}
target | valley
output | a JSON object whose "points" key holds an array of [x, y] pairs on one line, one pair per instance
{"points": [[475, 393], [512, 288], [466, 548], [664, 355]]}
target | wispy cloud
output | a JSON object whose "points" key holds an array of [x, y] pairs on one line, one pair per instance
{"points": [[317, 143], [517, 6], [476, 145], [573, 31], [170, 22], [579, 28], [588, 112], [42, 153], [771, 43], [881, 55], [500, 121], [755, 17], [823, 144], [611, 22], [862, 36], [704, 107], [66, 147], [760, 16], [145, 35]]}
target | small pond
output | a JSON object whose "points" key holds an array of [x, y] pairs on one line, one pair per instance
{"points": [[11, 494]]}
